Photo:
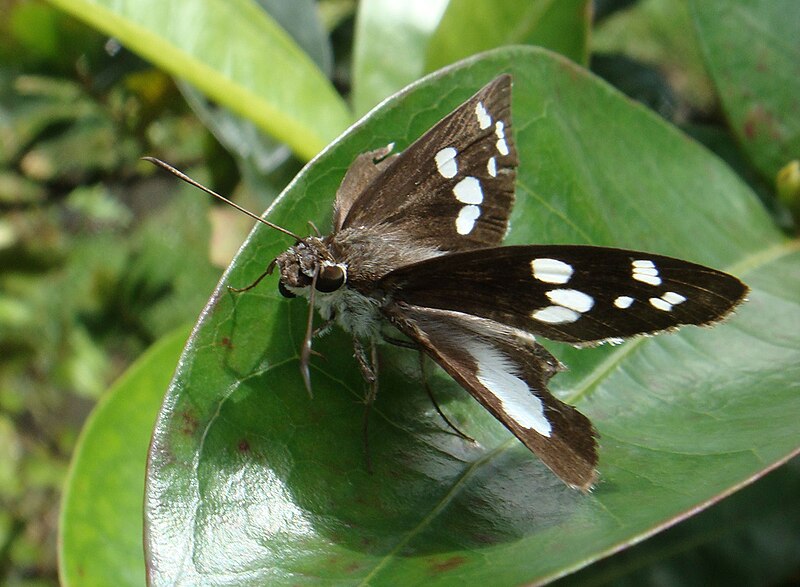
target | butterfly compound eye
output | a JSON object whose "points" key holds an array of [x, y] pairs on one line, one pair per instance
{"points": [[331, 278], [284, 291]]}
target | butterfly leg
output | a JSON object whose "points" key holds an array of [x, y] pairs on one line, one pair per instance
{"points": [[267, 271], [429, 391], [403, 344], [407, 344], [369, 370]]}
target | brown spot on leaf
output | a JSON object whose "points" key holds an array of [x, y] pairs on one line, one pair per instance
{"points": [[190, 423], [760, 122], [243, 446], [448, 564], [352, 568]]}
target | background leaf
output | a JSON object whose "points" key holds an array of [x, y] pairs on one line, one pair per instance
{"points": [[251, 482], [429, 35], [100, 541], [653, 34], [750, 538], [751, 52], [219, 47], [389, 48], [471, 26]]}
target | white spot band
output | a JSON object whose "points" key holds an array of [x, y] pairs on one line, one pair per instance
{"points": [[496, 372], [571, 299], [623, 302], [467, 216], [468, 191], [646, 272], [499, 131], [491, 166], [551, 270], [667, 301], [446, 162], [556, 315], [484, 120]]}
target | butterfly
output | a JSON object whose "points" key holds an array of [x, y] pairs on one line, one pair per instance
{"points": [[416, 250]]}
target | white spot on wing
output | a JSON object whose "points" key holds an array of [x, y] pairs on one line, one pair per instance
{"points": [[551, 270], [648, 279], [623, 302], [645, 271], [466, 218], [496, 372], [484, 120], [491, 166], [571, 299], [446, 162], [660, 304], [667, 301], [499, 131], [469, 191], [673, 298], [568, 306], [556, 315]]}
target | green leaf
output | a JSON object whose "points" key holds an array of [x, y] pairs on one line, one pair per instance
{"points": [[258, 154], [301, 19], [471, 26], [100, 530], [389, 47], [751, 51], [653, 32], [252, 481], [749, 539], [431, 34], [236, 54]]}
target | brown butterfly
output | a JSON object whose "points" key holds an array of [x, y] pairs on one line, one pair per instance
{"points": [[415, 248]]}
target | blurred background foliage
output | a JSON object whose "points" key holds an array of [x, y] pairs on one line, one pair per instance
{"points": [[100, 256]]}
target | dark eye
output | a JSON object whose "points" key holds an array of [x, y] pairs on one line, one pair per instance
{"points": [[285, 292], [331, 278]]}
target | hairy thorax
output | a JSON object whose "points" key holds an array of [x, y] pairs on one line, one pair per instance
{"points": [[365, 255]]}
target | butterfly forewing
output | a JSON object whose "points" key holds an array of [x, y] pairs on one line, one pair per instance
{"points": [[571, 293], [507, 372], [453, 188]]}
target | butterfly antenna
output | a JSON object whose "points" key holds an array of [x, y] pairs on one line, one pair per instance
{"points": [[198, 185]]}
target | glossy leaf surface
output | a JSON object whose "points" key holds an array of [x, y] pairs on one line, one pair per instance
{"points": [[252, 482]]}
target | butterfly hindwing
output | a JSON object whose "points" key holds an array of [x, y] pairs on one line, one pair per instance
{"points": [[453, 188], [507, 372], [362, 171], [570, 293]]}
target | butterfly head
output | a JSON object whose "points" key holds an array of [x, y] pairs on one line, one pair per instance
{"points": [[301, 262]]}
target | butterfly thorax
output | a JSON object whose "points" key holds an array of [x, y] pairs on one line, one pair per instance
{"points": [[371, 253]]}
